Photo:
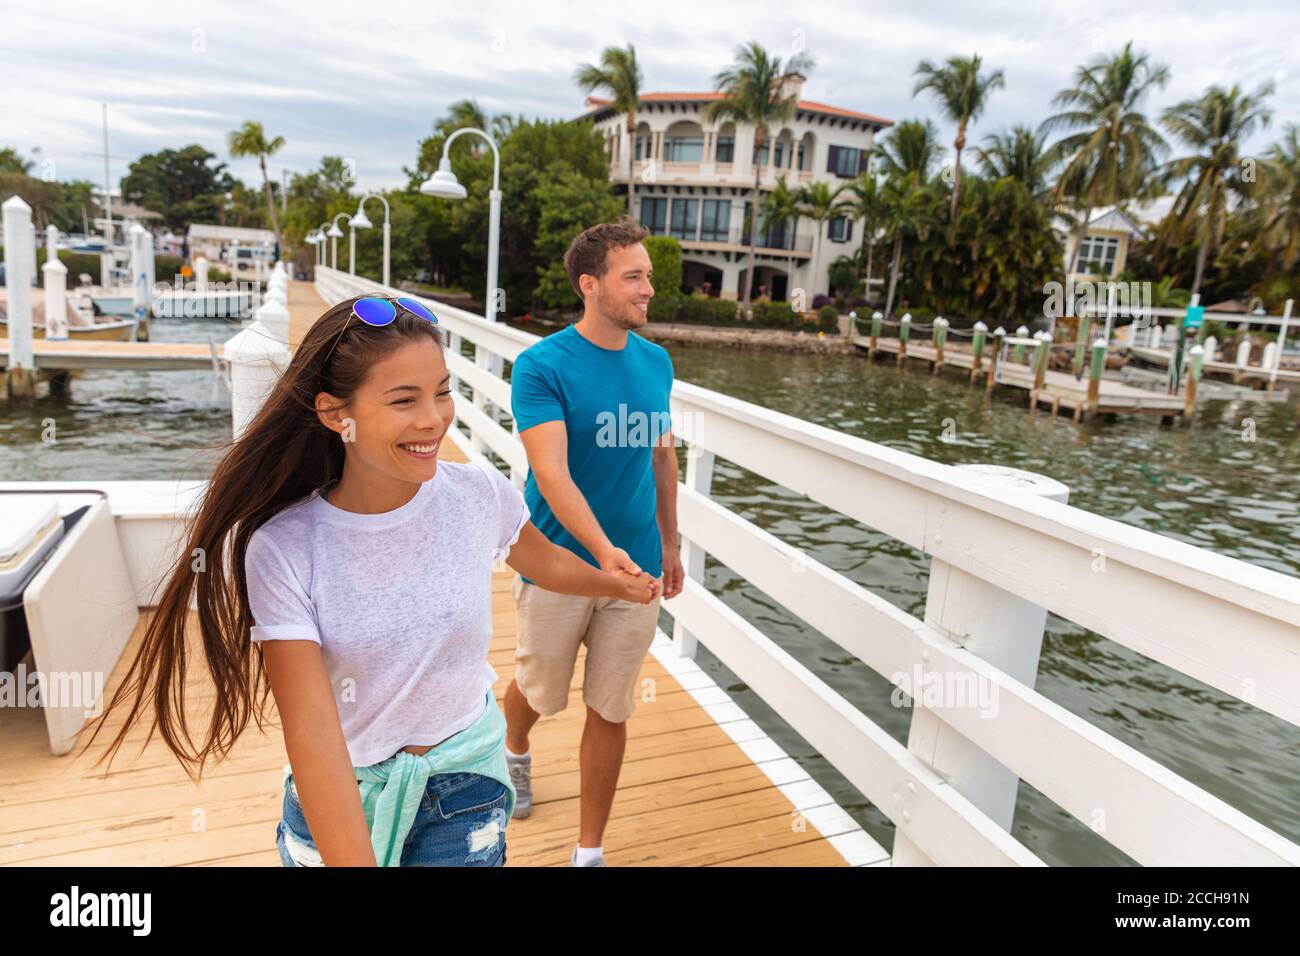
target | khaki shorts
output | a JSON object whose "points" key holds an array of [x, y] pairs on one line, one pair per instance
{"points": [[550, 628]]}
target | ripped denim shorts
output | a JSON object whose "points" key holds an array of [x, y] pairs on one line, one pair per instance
{"points": [[461, 822]]}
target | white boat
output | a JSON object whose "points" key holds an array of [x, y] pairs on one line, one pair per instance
{"points": [[206, 304]]}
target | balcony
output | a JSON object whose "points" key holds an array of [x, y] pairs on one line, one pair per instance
{"points": [[736, 239]]}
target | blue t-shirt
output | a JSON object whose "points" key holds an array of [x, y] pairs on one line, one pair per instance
{"points": [[614, 405]]}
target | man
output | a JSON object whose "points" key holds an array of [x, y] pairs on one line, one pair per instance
{"points": [[591, 405]]}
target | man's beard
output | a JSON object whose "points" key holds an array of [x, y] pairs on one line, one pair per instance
{"points": [[629, 318]]}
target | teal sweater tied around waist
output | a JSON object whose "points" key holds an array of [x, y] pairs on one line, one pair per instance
{"points": [[392, 790]]}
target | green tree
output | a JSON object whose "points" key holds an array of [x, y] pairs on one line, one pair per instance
{"points": [[907, 159], [1111, 150], [12, 162], [755, 93], [1214, 126], [1022, 154], [619, 77], [568, 204], [1277, 214], [821, 203], [183, 185], [782, 205], [867, 205], [963, 92], [251, 140]]}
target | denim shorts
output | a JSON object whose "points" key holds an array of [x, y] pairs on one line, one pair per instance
{"points": [[461, 822]]}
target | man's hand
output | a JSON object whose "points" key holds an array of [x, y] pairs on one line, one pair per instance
{"points": [[616, 559], [639, 589], [673, 572]]}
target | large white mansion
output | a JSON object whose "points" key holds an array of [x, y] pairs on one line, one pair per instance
{"points": [[693, 181]]}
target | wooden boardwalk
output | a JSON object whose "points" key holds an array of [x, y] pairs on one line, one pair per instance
{"points": [[1060, 391], [701, 785], [143, 356]]}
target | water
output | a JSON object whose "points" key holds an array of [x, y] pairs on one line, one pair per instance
{"points": [[1229, 483], [121, 424]]}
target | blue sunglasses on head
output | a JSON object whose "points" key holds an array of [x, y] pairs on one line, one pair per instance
{"points": [[380, 311]]}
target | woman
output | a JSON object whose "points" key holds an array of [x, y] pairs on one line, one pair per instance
{"points": [[336, 557]]}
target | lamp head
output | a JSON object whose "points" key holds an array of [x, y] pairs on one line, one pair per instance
{"points": [[443, 183]]}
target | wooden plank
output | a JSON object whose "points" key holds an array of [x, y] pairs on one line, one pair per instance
{"points": [[688, 794]]}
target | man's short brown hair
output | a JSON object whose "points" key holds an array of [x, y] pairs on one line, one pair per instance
{"points": [[589, 249]]}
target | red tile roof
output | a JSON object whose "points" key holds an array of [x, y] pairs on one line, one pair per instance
{"points": [[807, 105]]}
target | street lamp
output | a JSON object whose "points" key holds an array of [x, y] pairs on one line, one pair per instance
{"points": [[321, 232], [335, 235], [359, 221], [444, 183]]}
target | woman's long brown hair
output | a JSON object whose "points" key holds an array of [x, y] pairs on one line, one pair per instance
{"points": [[284, 454]]}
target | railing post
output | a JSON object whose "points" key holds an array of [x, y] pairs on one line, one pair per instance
{"points": [[977, 350], [998, 627], [904, 329], [699, 477], [257, 359]]}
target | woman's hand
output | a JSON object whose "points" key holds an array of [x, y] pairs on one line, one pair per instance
{"points": [[637, 588]]}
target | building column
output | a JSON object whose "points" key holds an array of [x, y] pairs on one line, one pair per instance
{"points": [[731, 280]]}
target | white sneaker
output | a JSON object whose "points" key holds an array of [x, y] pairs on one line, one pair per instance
{"points": [[573, 859]]}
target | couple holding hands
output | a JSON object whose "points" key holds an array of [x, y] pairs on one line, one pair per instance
{"points": [[361, 568]]}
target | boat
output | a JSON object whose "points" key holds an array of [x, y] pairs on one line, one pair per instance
{"points": [[84, 324]]}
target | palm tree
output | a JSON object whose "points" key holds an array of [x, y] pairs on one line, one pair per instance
{"points": [[1019, 154], [754, 93], [1214, 126], [1277, 214], [780, 205], [907, 158], [820, 203], [619, 77], [963, 92], [1113, 150], [867, 205], [250, 140]]}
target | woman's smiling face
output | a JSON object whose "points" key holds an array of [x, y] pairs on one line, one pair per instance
{"points": [[399, 413]]}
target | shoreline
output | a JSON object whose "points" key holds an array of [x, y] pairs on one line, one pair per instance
{"points": [[738, 338]]}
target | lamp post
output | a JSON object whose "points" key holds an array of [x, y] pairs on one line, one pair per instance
{"points": [[335, 234], [321, 231], [359, 221], [444, 183]]}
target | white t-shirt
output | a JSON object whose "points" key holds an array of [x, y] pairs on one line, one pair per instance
{"points": [[400, 602]]}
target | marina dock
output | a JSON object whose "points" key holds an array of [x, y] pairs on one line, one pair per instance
{"points": [[142, 356], [1060, 391]]}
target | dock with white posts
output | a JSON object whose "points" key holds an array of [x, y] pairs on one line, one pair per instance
{"points": [[703, 784], [1018, 361], [26, 358]]}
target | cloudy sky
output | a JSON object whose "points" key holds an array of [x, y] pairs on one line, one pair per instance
{"points": [[366, 80]]}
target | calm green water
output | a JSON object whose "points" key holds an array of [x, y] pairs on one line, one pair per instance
{"points": [[1207, 485]]}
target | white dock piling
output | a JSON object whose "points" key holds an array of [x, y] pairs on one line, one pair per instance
{"points": [[20, 256], [54, 276]]}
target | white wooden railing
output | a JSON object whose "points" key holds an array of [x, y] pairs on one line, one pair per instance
{"points": [[1004, 549]]}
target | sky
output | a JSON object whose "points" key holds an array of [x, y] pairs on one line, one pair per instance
{"points": [[366, 81]]}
